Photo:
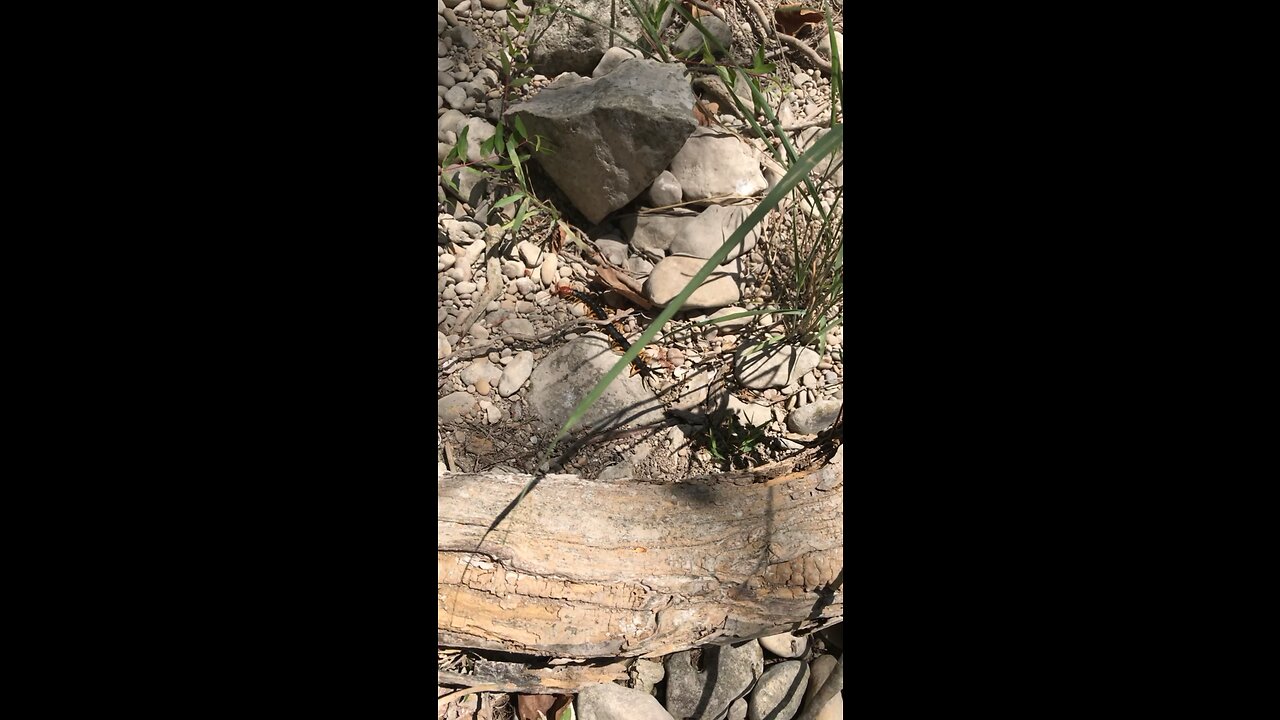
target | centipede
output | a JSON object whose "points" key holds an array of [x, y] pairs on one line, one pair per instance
{"points": [[598, 312]]}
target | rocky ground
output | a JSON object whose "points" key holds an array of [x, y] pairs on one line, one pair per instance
{"points": [[647, 190]]}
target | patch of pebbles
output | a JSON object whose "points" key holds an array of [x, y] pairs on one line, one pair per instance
{"points": [[799, 402]]}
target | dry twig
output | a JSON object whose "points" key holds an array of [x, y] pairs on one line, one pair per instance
{"points": [[808, 52]]}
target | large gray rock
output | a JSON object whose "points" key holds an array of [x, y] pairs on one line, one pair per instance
{"points": [[713, 164], [610, 137], [607, 701], [730, 672], [565, 376], [778, 694], [567, 43], [692, 39]]}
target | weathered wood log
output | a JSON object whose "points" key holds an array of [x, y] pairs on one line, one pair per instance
{"points": [[624, 568]]}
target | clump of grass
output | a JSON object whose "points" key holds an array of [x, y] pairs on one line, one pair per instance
{"points": [[807, 261], [732, 442]]}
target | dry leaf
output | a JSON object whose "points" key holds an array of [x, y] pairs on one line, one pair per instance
{"points": [[534, 707], [790, 18], [696, 11], [704, 111], [623, 284]]}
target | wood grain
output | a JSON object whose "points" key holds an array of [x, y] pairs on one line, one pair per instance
{"points": [[588, 569]]}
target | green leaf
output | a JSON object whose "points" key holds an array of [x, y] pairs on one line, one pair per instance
{"points": [[508, 200], [518, 220], [522, 80], [461, 147], [497, 137], [524, 134], [515, 161], [567, 713]]}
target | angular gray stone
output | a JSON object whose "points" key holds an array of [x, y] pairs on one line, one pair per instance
{"points": [[464, 36], [703, 235], [731, 669], [774, 366], [612, 58], [607, 701], [814, 417], [565, 376], [779, 693], [670, 276], [570, 44], [653, 233], [692, 38], [610, 137], [712, 164]]}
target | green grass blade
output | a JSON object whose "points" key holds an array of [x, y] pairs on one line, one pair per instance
{"points": [[514, 157], [513, 197]]}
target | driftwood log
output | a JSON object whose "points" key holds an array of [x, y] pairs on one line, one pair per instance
{"points": [[624, 568]]}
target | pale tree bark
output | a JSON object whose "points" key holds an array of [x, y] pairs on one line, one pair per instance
{"points": [[624, 568]]}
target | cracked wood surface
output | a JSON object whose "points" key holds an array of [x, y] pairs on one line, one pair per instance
{"points": [[589, 568]]}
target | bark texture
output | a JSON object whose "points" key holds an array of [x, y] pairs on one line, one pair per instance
{"points": [[588, 568]]}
